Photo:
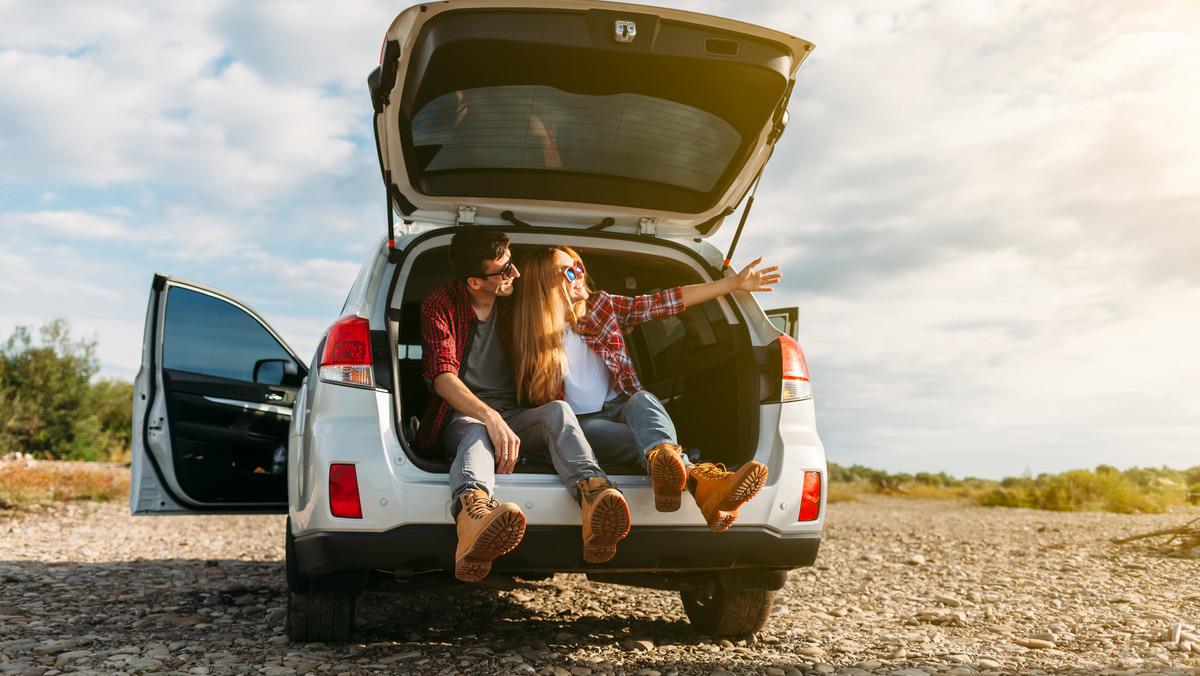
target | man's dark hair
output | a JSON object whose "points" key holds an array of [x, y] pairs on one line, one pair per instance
{"points": [[471, 247]]}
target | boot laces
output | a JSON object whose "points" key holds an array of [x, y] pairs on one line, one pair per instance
{"points": [[654, 452], [711, 471], [481, 507], [587, 491]]}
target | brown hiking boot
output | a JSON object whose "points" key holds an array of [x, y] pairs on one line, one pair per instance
{"points": [[486, 529], [605, 518], [719, 493], [667, 473]]}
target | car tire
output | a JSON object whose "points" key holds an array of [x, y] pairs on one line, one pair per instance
{"points": [[319, 616], [319, 607], [715, 610]]}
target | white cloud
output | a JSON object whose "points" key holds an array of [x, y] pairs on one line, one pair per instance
{"points": [[306, 41], [133, 95], [74, 225], [995, 344]]}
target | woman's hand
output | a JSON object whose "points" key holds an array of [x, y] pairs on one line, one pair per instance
{"points": [[750, 279]]}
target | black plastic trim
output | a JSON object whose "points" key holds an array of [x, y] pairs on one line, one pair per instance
{"points": [[657, 549], [381, 360]]}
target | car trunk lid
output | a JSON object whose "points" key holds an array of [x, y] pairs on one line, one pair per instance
{"points": [[578, 114]]}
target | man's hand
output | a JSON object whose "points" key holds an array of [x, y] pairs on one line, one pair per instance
{"points": [[506, 443], [750, 279]]}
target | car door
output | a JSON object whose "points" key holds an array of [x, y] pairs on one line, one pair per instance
{"points": [[785, 319], [213, 402]]}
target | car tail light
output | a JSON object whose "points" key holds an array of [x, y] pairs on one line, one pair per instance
{"points": [[343, 492], [796, 384], [810, 499], [346, 358]]}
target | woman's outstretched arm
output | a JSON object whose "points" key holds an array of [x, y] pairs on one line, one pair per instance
{"points": [[749, 279]]}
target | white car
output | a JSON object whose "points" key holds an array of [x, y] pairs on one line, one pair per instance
{"points": [[629, 133]]}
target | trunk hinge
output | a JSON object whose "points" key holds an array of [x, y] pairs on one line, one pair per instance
{"points": [[466, 215], [648, 226]]}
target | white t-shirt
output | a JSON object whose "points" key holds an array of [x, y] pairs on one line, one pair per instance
{"points": [[589, 383]]}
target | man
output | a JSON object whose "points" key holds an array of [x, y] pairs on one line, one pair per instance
{"points": [[466, 332]]}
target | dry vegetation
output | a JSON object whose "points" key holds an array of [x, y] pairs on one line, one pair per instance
{"points": [[1104, 489], [26, 482]]}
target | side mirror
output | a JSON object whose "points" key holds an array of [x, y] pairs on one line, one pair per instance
{"points": [[276, 372]]}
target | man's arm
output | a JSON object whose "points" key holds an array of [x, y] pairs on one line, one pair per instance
{"points": [[507, 444], [441, 370], [748, 279]]}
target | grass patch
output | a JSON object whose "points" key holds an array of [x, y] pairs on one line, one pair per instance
{"points": [[24, 484]]}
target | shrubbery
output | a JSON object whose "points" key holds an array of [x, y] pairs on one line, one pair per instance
{"points": [[49, 406], [1103, 489]]}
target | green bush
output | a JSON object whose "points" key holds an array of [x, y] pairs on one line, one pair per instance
{"points": [[1104, 489], [48, 405]]}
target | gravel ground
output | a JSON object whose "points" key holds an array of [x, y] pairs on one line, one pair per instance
{"points": [[902, 587]]}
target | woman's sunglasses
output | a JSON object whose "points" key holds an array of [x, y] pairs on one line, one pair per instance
{"points": [[506, 272], [574, 272]]}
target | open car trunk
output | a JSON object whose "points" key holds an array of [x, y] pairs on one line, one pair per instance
{"points": [[700, 366]]}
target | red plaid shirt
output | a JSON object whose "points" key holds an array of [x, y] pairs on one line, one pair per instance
{"points": [[446, 321], [606, 317]]}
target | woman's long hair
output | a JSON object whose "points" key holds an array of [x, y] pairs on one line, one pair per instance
{"points": [[540, 313]]}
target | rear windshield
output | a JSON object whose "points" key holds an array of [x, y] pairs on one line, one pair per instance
{"points": [[625, 135]]}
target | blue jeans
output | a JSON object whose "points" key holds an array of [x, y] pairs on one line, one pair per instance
{"points": [[549, 430], [627, 428]]}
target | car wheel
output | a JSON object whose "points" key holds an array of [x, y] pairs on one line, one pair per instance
{"points": [[717, 611], [319, 607], [319, 616]]}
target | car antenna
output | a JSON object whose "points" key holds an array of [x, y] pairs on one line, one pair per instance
{"points": [[742, 223]]}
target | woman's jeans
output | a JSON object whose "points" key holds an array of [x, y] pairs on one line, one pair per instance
{"points": [[627, 428]]}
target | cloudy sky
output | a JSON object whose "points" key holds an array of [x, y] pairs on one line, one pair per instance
{"points": [[987, 212]]}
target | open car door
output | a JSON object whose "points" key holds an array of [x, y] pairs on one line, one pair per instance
{"points": [[212, 405], [785, 319]]}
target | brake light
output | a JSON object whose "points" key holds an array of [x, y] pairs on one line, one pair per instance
{"points": [[796, 384], [810, 499], [346, 358], [343, 492]]}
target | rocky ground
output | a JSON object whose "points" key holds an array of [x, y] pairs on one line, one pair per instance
{"points": [[903, 587]]}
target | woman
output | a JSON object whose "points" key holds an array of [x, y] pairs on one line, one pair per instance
{"points": [[568, 342]]}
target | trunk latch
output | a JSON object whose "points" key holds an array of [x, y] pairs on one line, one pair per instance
{"points": [[625, 31]]}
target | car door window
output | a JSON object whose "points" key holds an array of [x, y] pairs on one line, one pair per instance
{"points": [[210, 336]]}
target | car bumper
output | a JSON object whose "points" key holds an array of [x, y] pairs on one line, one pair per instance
{"points": [[559, 549]]}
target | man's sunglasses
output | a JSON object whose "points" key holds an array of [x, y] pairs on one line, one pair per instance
{"points": [[574, 272], [506, 272]]}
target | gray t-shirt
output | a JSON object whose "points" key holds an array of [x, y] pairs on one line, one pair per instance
{"points": [[487, 369]]}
